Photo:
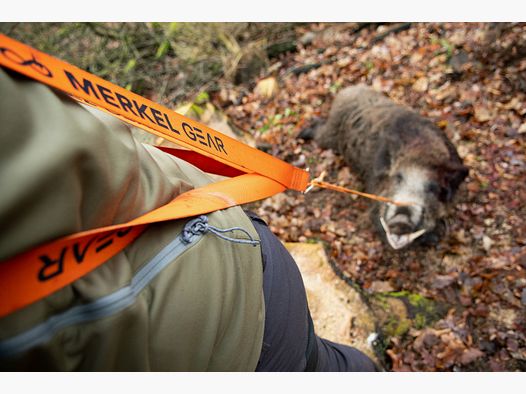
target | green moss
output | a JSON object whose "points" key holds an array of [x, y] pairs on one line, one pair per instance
{"points": [[421, 312], [420, 321], [395, 327]]}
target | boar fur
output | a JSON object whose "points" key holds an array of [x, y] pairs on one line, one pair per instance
{"points": [[400, 155]]}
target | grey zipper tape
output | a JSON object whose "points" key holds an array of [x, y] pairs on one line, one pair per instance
{"points": [[107, 305]]}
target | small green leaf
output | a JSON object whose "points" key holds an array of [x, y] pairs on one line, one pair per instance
{"points": [[198, 110], [202, 98], [265, 128], [130, 65], [335, 87], [447, 48], [163, 49], [172, 28]]}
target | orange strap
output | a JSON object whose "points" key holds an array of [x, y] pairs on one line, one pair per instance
{"points": [[47, 268], [146, 114], [43, 270]]}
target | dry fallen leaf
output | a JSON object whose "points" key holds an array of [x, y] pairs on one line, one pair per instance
{"points": [[479, 103], [482, 114], [267, 87], [470, 355], [486, 243], [421, 84]]}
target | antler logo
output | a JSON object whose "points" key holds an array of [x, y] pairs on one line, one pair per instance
{"points": [[32, 62]]}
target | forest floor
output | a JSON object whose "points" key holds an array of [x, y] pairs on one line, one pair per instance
{"points": [[470, 79]]}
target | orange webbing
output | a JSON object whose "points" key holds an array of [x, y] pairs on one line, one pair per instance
{"points": [[155, 118], [47, 268], [35, 274]]}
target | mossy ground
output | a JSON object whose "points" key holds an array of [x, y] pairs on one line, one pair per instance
{"points": [[399, 311]]}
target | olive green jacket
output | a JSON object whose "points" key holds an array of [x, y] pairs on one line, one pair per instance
{"points": [[66, 168]]}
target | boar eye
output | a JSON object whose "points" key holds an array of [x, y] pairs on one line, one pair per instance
{"points": [[433, 188], [398, 177]]}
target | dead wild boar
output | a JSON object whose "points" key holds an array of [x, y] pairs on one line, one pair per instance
{"points": [[400, 155]]}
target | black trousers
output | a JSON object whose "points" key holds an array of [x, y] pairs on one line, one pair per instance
{"points": [[289, 341]]}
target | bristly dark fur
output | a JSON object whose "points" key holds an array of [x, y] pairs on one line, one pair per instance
{"points": [[378, 137]]}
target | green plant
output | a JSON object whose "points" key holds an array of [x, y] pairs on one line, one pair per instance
{"points": [[272, 121]]}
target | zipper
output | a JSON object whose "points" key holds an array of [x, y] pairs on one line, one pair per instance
{"points": [[112, 303]]}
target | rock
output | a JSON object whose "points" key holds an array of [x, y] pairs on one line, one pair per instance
{"points": [[267, 87], [338, 311]]}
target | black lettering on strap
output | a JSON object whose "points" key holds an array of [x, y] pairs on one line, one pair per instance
{"points": [[51, 267], [199, 135], [142, 111], [80, 254], [125, 103], [158, 119], [87, 86], [106, 95], [188, 130], [123, 232], [211, 141], [104, 245], [170, 125], [220, 145]]}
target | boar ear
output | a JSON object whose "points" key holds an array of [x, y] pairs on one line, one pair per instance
{"points": [[452, 176]]}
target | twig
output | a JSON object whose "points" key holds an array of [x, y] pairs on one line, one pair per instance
{"points": [[361, 26], [395, 29], [310, 66]]}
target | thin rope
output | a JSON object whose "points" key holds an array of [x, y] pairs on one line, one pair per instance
{"points": [[319, 183]]}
